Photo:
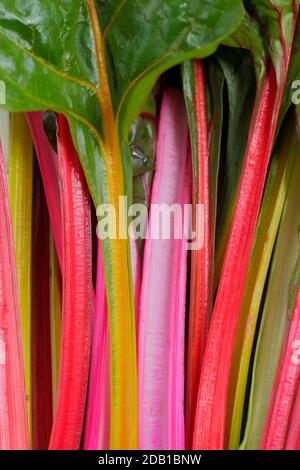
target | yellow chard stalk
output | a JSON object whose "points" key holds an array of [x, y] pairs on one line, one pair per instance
{"points": [[20, 195], [4, 134], [120, 304]]}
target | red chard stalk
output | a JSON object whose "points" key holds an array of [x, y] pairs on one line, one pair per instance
{"points": [[77, 298]]}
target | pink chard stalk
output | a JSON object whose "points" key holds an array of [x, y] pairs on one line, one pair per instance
{"points": [[162, 307]]}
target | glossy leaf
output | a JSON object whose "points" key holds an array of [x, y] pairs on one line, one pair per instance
{"points": [[248, 36], [69, 64], [279, 19]]}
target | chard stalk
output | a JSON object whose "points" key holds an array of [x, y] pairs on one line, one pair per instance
{"points": [[40, 299], [285, 387], [14, 433], [201, 268], [5, 134], [212, 396], [162, 307], [269, 219], [210, 421], [97, 425], [275, 320], [123, 368], [77, 298], [48, 163], [20, 181], [293, 437]]}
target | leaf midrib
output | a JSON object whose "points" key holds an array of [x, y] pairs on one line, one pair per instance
{"points": [[88, 85], [64, 75]]}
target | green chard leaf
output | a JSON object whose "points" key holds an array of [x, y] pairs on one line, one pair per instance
{"points": [[49, 61], [247, 36], [276, 18]]}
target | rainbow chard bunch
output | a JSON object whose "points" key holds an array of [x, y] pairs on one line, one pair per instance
{"points": [[149, 224]]}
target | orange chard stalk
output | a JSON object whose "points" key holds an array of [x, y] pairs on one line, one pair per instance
{"points": [[201, 272]]}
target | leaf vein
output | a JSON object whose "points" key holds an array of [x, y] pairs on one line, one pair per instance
{"points": [[113, 19], [53, 69]]}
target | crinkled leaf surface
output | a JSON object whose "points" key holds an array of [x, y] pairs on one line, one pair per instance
{"points": [[48, 57]]}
